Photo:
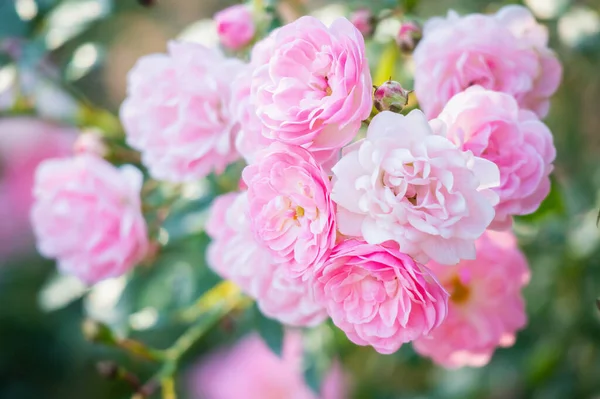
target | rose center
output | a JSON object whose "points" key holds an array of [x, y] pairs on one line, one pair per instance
{"points": [[459, 292]]}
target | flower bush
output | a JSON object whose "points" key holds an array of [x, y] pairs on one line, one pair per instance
{"points": [[366, 215]]}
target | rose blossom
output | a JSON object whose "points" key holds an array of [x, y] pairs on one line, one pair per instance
{"points": [[505, 52], [315, 88], [235, 26], [250, 370], [87, 215], [24, 143], [405, 183], [379, 296], [177, 111], [235, 254], [485, 309], [491, 125], [290, 207]]}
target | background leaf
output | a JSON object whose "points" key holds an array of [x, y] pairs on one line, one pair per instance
{"points": [[271, 331]]}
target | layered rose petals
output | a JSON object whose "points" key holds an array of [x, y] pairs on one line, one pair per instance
{"points": [[379, 296], [235, 254], [177, 111], [87, 214], [486, 307], [407, 184], [492, 126], [312, 86], [290, 207], [506, 52]]}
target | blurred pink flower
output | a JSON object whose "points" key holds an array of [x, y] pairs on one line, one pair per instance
{"points": [[291, 211], [364, 20], [505, 52], [235, 254], [379, 296], [491, 125], [87, 214], [235, 26], [485, 309], [24, 143], [406, 183], [315, 87], [177, 112], [249, 370]]}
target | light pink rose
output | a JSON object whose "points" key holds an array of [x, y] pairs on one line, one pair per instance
{"points": [[235, 26], [491, 126], [87, 215], [485, 309], [235, 254], [379, 296], [250, 370], [290, 207], [24, 143], [505, 52], [406, 183], [315, 88], [177, 112], [249, 139]]}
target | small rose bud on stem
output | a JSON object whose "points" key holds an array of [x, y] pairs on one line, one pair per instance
{"points": [[408, 37], [391, 96]]}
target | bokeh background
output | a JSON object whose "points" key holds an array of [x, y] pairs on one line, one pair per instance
{"points": [[67, 60]]}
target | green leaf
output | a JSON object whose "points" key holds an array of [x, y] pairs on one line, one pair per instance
{"points": [[270, 330]]}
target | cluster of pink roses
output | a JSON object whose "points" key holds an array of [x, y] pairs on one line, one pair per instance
{"points": [[388, 235]]}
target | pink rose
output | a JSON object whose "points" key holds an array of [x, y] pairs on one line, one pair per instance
{"points": [[235, 26], [405, 183], [235, 254], [250, 370], [485, 309], [177, 111], [290, 207], [315, 89], [504, 52], [491, 125], [249, 139], [87, 215], [24, 143], [379, 296]]}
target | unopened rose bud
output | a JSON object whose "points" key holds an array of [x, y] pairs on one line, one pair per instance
{"points": [[235, 26], [364, 21], [409, 35], [90, 142], [391, 96]]}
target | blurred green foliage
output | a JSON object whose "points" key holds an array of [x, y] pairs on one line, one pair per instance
{"points": [[43, 353]]}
